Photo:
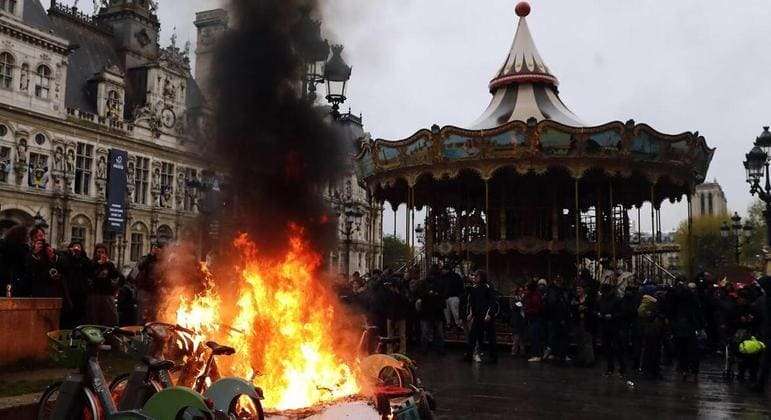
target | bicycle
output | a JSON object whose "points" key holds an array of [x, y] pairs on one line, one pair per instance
{"points": [[83, 395], [234, 396], [393, 375]]}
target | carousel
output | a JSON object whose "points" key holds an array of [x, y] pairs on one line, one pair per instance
{"points": [[529, 189]]}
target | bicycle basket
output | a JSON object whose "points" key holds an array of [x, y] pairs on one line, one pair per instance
{"points": [[64, 350]]}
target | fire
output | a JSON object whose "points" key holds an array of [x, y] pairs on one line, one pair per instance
{"points": [[282, 324]]}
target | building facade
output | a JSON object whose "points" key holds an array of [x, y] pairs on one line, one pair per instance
{"points": [[360, 231], [72, 88], [708, 199]]}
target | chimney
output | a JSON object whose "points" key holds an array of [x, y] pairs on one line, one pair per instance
{"points": [[211, 24]]}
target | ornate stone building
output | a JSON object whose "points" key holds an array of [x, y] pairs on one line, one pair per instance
{"points": [[709, 200], [360, 236], [73, 87]]}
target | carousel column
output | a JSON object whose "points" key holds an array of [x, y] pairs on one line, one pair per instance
{"points": [[612, 226], [689, 256], [407, 210], [599, 220], [653, 230], [487, 227], [577, 211]]}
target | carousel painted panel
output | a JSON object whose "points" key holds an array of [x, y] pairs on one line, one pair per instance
{"points": [[646, 147], [554, 142], [605, 142]]}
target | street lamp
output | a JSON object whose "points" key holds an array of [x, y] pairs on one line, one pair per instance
{"points": [[757, 165], [738, 231], [337, 73], [313, 50]]}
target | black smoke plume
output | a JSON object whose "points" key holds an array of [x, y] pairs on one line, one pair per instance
{"points": [[279, 150]]}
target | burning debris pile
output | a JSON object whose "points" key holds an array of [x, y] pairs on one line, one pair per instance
{"points": [[263, 295], [282, 323]]}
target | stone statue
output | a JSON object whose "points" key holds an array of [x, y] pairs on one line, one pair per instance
{"points": [[59, 160], [101, 168], [157, 179], [130, 174], [70, 161], [21, 151]]}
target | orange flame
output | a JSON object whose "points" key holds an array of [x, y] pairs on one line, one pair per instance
{"points": [[282, 327]]}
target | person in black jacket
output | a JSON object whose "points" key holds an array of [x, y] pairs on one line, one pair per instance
{"points": [[557, 311], [42, 277], [765, 362], [482, 309], [685, 318], [430, 305], [454, 289], [76, 273], [610, 314], [105, 281]]}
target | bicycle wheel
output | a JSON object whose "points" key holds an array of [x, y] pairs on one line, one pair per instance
{"points": [[87, 408], [245, 407], [118, 388]]}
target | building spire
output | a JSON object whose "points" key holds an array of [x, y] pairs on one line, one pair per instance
{"points": [[524, 87], [523, 64]]}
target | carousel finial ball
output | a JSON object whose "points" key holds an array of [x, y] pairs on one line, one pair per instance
{"points": [[522, 9]]}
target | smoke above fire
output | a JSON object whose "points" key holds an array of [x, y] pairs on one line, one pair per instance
{"points": [[279, 150]]}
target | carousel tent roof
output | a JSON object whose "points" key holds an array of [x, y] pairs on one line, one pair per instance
{"points": [[524, 87]]}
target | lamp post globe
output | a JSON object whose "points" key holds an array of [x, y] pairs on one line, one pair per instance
{"points": [[337, 73]]}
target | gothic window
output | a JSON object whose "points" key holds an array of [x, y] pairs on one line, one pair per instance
{"points": [[190, 175], [5, 163], [83, 167], [78, 234], [9, 6], [709, 202], [3, 130], [141, 180], [24, 80], [113, 104], [6, 70], [702, 205], [137, 246], [43, 85]]}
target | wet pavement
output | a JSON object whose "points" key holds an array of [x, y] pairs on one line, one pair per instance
{"points": [[516, 389]]}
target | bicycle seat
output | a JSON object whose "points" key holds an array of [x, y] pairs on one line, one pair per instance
{"points": [[157, 364], [389, 340], [219, 350]]}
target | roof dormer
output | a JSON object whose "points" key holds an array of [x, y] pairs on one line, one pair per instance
{"points": [[110, 93]]}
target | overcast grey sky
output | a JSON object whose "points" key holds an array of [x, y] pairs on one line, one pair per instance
{"points": [[684, 65]]}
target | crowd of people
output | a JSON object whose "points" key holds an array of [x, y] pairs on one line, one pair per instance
{"points": [[93, 290], [634, 327]]}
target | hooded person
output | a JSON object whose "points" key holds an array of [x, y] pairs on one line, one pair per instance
{"points": [[146, 280], [482, 310]]}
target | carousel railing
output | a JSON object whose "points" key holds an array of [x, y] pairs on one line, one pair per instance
{"points": [[658, 271]]}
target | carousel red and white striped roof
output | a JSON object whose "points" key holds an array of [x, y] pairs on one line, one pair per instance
{"points": [[524, 87]]}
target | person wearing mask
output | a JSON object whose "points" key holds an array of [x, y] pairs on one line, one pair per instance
{"points": [[43, 275], [610, 313], [534, 317], [76, 272], [105, 281], [482, 310], [146, 279], [430, 306], [454, 289]]}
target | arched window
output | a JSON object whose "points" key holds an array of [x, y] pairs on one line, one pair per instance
{"points": [[43, 85], [6, 70], [165, 234]]}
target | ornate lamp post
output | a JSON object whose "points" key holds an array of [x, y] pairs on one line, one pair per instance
{"points": [[314, 51], [350, 223], [737, 231], [337, 73], [757, 165]]}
